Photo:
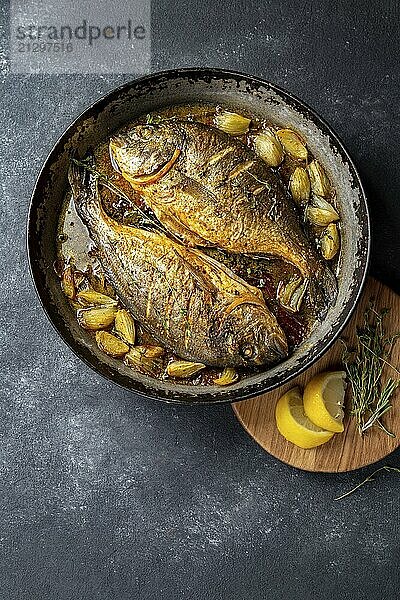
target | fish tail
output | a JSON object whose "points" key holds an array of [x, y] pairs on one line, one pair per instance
{"points": [[79, 179], [85, 192], [322, 289]]}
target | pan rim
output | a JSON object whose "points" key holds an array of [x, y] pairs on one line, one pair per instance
{"points": [[251, 389]]}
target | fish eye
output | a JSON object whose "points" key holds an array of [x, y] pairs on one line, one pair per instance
{"points": [[248, 352]]}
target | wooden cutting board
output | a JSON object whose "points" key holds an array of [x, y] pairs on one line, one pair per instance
{"points": [[345, 451]]}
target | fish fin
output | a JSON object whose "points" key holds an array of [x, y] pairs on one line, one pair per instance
{"points": [[224, 309], [243, 299], [201, 277], [219, 266], [201, 194], [138, 181], [84, 190], [322, 290], [175, 226]]}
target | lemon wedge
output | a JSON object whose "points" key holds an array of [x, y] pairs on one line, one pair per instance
{"points": [[294, 425], [324, 398]]}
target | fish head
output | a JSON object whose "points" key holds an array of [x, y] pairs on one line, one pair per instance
{"points": [[253, 337], [142, 150]]}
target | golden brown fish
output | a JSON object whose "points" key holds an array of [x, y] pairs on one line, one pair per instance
{"points": [[189, 302], [211, 189]]}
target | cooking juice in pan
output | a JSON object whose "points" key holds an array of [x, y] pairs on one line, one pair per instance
{"points": [[293, 300]]}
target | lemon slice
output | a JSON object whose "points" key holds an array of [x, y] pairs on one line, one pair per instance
{"points": [[294, 425], [323, 400]]}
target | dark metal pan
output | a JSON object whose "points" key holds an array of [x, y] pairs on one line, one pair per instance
{"points": [[238, 92]]}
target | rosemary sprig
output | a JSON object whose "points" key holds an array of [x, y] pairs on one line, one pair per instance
{"points": [[267, 185], [105, 180], [371, 399], [153, 119], [135, 209], [367, 479]]}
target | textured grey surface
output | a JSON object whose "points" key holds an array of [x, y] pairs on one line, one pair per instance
{"points": [[105, 495]]}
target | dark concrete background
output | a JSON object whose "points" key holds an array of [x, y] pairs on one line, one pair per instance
{"points": [[104, 495]]}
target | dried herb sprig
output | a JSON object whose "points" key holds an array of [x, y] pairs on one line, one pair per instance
{"points": [[367, 479], [105, 180], [157, 119], [364, 365]]}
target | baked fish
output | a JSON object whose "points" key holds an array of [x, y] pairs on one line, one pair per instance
{"points": [[190, 303], [210, 189]]}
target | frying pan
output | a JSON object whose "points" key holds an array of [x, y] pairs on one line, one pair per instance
{"points": [[237, 92]]}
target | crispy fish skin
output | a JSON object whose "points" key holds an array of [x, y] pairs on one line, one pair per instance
{"points": [[216, 191], [193, 305]]}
